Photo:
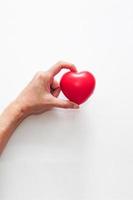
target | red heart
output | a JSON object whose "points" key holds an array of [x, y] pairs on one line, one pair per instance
{"points": [[77, 86]]}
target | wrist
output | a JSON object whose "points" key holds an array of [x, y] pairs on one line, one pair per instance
{"points": [[18, 110]]}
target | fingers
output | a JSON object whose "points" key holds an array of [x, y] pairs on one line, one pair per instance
{"points": [[55, 88], [59, 103], [62, 65], [56, 92], [55, 85]]}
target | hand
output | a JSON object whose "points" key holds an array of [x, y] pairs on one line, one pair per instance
{"points": [[42, 92], [40, 95]]}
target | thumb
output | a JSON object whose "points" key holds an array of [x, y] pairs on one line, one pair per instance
{"points": [[59, 103]]}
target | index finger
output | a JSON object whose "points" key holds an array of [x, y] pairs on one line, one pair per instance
{"points": [[62, 65]]}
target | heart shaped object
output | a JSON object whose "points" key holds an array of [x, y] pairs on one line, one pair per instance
{"points": [[77, 86]]}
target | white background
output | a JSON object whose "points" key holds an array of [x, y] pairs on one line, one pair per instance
{"points": [[69, 154]]}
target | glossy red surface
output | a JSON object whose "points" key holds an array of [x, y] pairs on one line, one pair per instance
{"points": [[77, 86]]}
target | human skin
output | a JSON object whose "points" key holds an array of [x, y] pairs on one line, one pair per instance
{"points": [[39, 96]]}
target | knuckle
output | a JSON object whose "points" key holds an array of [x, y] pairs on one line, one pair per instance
{"points": [[40, 75], [60, 62], [48, 75]]}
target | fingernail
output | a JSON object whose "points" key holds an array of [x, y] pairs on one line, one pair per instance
{"points": [[76, 106]]}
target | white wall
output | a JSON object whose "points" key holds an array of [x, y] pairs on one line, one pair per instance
{"points": [[76, 154]]}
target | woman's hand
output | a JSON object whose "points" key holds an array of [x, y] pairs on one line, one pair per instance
{"points": [[41, 94]]}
